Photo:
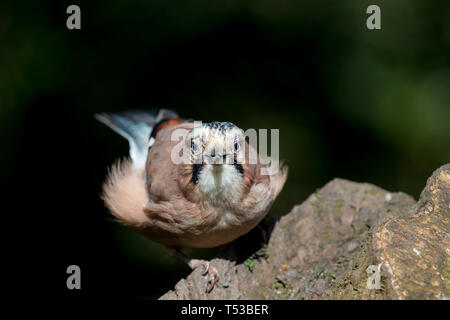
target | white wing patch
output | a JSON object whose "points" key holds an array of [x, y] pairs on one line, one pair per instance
{"points": [[137, 133]]}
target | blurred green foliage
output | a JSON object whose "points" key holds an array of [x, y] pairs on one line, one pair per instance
{"points": [[352, 103]]}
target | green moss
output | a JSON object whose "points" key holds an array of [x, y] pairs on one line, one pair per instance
{"points": [[250, 263], [280, 290], [261, 253], [331, 274], [318, 195]]}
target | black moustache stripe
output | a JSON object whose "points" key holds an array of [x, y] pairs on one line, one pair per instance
{"points": [[238, 167], [196, 168]]}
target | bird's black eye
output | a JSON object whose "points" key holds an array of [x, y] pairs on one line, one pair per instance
{"points": [[236, 146], [194, 147]]}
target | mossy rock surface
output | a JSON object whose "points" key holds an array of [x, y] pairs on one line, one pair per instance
{"points": [[323, 247]]}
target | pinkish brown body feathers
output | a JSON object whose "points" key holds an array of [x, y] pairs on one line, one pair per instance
{"points": [[183, 205]]}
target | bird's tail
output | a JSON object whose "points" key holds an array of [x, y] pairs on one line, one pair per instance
{"points": [[136, 126]]}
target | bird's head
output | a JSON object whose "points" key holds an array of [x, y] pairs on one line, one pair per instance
{"points": [[217, 156]]}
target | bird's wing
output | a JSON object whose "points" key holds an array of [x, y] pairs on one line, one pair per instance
{"points": [[136, 126], [162, 172]]}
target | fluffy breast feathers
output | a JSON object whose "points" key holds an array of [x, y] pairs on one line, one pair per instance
{"points": [[162, 202]]}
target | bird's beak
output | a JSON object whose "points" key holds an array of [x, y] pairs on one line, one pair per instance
{"points": [[217, 159]]}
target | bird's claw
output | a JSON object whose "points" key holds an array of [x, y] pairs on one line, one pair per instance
{"points": [[213, 275]]}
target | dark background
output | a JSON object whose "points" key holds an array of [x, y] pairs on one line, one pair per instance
{"points": [[369, 106]]}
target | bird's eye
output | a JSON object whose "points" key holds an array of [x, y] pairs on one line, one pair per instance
{"points": [[236, 146], [194, 147]]}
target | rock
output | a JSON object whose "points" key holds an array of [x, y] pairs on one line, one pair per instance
{"points": [[415, 251], [323, 248]]}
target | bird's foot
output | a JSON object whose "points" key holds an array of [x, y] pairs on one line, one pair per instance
{"points": [[208, 269]]}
